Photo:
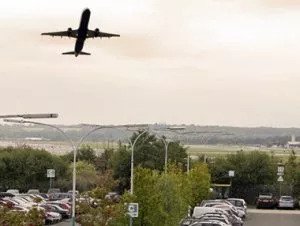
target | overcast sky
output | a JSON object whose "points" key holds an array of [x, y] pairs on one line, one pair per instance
{"points": [[208, 62]]}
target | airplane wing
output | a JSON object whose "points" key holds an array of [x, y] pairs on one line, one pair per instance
{"points": [[98, 34], [69, 33]]}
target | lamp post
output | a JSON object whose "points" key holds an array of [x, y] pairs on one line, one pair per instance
{"points": [[132, 144], [280, 173], [188, 164], [166, 143], [74, 148], [31, 116]]}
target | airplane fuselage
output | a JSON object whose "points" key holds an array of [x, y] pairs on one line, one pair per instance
{"points": [[81, 34], [82, 31]]}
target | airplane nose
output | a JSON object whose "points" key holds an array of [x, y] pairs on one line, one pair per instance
{"points": [[87, 11]]}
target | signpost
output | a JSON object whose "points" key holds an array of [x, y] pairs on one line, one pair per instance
{"points": [[50, 175], [231, 173], [280, 173], [133, 211], [280, 170], [280, 179]]}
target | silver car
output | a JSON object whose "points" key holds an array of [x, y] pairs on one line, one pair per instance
{"points": [[240, 204], [286, 202]]}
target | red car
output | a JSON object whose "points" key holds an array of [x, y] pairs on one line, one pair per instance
{"points": [[266, 201]]}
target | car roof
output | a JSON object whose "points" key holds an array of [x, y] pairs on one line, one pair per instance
{"points": [[236, 199], [209, 223]]}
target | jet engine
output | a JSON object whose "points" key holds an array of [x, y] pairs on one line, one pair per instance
{"points": [[97, 32], [70, 31]]}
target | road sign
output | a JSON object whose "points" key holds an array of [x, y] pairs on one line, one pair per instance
{"points": [[280, 169], [133, 209], [231, 173], [280, 179], [50, 173]]}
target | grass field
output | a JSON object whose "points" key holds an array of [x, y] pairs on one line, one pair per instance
{"points": [[193, 150], [216, 150]]}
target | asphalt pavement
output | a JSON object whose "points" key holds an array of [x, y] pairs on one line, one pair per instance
{"points": [[65, 223], [262, 217]]}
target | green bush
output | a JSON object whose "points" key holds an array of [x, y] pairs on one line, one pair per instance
{"points": [[33, 218]]}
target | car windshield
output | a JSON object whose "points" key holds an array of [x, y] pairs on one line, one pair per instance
{"points": [[265, 196], [236, 203], [286, 198]]}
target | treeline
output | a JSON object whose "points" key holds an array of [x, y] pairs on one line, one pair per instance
{"points": [[256, 172], [24, 168]]}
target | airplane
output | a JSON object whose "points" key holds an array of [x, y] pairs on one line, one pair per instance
{"points": [[81, 34]]}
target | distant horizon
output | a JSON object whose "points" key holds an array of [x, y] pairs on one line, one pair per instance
{"points": [[169, 124]]}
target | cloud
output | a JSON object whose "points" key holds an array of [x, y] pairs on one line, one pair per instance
{"points": [[133, 46], [282, 3]]}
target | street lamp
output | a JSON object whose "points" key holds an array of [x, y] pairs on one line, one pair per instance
{"points": [[31, 116], [166, 143], [74, 147], [132, 144]]}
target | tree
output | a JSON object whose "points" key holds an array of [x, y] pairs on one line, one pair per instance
{"points": [[33, 217], [255, 172], [291, 170], [24, 168], [84, 153], [104, 162], [148, 196], [105, 184], [199, 184], [297, 182], [121, 167], [149, 152], [86, 176]]}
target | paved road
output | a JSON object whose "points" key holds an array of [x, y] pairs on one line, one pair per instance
{"points": [[65, 223], [273, 218]]}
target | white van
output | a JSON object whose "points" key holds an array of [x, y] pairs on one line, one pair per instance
{"points": [[200, 211], [13, 191]]}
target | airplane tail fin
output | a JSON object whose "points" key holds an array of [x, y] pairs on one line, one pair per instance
{"points": [[76, 54]]}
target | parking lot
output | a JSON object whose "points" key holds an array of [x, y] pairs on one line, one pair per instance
{"points": [[263, 217]]}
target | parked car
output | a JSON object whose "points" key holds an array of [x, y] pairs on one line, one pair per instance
{"points": [[5, 194], [59, 196], [53, 190], [266, 201], [210, 223], [199, 211], [286, 202], [71, 192], [113, 196], [212, 217], [13, 191], [52, 217], [187, 221], [240, 204], [33, 191], [233, 215], [240, 212]]}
